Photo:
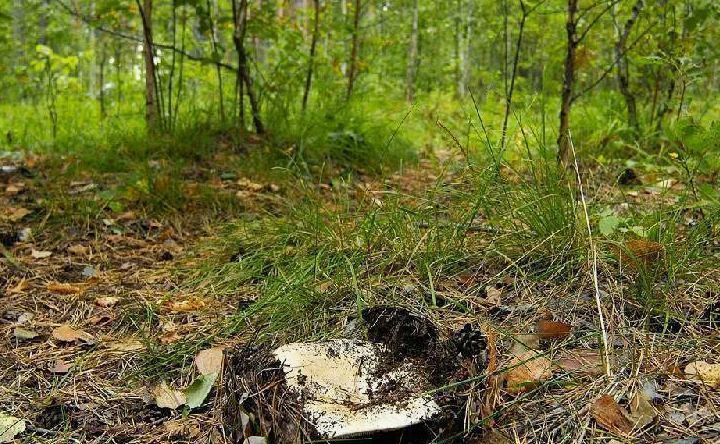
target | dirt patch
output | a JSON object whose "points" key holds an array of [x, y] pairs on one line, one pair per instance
{"points": [[404, 333]]}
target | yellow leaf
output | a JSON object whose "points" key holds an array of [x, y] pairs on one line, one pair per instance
{"points": [[709, 374]]}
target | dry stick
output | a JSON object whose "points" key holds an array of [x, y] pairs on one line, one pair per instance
{"points": [[606, 357]]}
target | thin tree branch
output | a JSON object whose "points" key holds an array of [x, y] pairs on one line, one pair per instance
{"points": [[597, 17], [610, 68], [90, 22]]}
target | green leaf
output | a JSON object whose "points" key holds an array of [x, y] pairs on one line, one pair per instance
{"points": [[199, 389], [609, 224], [43, 50]]}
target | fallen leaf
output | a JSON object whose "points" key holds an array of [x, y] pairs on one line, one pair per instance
{"points": [[552, 330], [10, 426], [255, 440], [170, 337], [25, 318], [187, 305], [167, 397], [708, 373], [106, 301], [199, 389], [526, 371], [14, 189], [641, 411], [610, 416], [523, 343], [129, 345], [63, 288], [582, 361], [60, 367], [181, 428], [65, 333], [640, 253], [40, 254], [22, 334], [78, 250], [16, 214], [20, 287], [209, 360], [492, 295]]}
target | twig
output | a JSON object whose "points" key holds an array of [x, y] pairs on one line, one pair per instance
{"points": [[606, 356], [90, 22]]}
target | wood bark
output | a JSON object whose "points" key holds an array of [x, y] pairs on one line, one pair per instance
{"points": [[240, 22], [568, 82], [623, 67], [151, 108]]}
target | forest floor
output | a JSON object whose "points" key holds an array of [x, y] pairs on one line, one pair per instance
{"points": [[106, 313]]}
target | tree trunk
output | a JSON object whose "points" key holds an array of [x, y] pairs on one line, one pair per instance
{"points": [[151, 107], [311, 61], [352, 71], [239, 17], [513, 76], [568, 83], [212, 7], [101, 91], [623, 68], [412, 61]]}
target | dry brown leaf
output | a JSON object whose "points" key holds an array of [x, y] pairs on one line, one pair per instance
{"points": [[65, 333], [581, 360], [610, 416], [38, 254], [182, 428], [60, 367], [78, 250], [526, 371], [703, 371], [209, 360], [640, 253], [20, 287], [106, 301], [552, 330], [186, 305], [124, 346], [14, 188], [642, 412], [167, 397], [15, 214], [63, 288], [493, 295]]}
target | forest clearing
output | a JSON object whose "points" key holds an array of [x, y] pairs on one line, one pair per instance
{"points": [[360, 221]]}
